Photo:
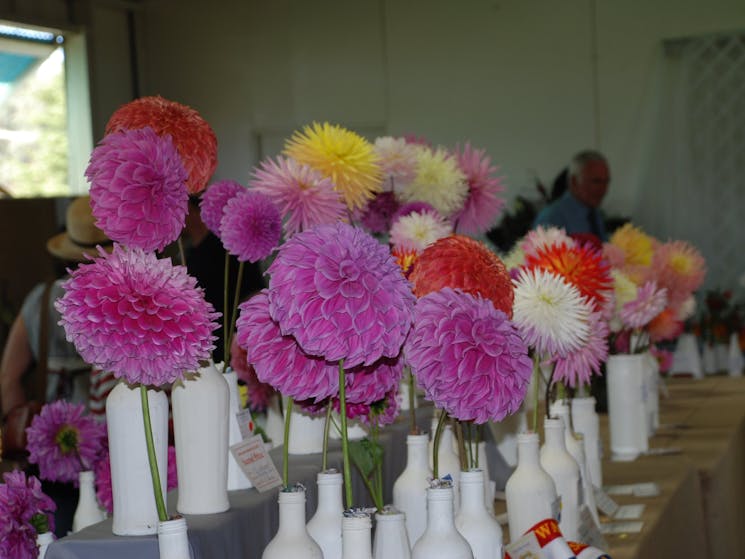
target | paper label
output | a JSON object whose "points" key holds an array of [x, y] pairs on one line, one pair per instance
{"points": [[629, 512], [605, 504], [556, 509], [527, 547], [630, 527], [663, 451], [245, 423], [256, 463], [648, 489], [588, 531]]}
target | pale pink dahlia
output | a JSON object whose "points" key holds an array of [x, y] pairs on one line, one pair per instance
{"points": [[341, 295], [541, 237], [680, 268], [416, 231], [483, 203], [212, 203], [303, 195], [577, 366], [650, 301], [467, 356], [379, 212], [138, 188], [397, 160], [251, 226], [279, 360], [365, 385], [63, 441], [140, 317]]}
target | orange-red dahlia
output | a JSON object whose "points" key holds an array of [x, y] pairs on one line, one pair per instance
{"points": [[665, 326], [192, 135], [405, 259], [463, 263]]}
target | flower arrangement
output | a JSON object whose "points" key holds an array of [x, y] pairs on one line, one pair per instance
{"points": [[25, 512]]}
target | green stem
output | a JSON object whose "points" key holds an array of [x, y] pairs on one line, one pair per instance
{"points": [[561, 392], [548, 393], [151, 458], [285, 449], [536, 389], [478, 441], [236, 299], [412, 405], [344, 439], [225, 318], [181, 252], [326, 427], [436, 444], [378, 470], [470, 446]]}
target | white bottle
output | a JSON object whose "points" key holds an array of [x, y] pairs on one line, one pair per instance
{"points": [[292, 539], [173, 540], [410, 489], [356, 537], [43, 541], [87, 512], [236, 478], [587, 423], [306, 433], [625, 376], [530, 491], [448, 461], [481, 530], [391, 541], [325, 526], [564, 470], [441, 540]]}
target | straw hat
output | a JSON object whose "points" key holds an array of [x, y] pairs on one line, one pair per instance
{"points": [[81, 236]]}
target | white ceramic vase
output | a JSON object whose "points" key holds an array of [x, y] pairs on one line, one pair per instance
{"points": [[441, 540], [325, 526], [391, 541], [43, 541], [506, 432], [652, 368], [236, 478], [481, 530], [173, 540], [135, 513], [709, 359], [490, 486], [404, 401], [448, 461], [687, 357], [356, 537], [625, 377], [275, 423], [587, 423], [721, 356], [735, 360], [200, 427], [530, 491], [292, 539], [564, 470], [306, 433], [410, 488], [87, 512]]}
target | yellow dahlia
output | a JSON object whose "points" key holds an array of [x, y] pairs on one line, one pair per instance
{"points": [[342, 155], [439, 181], [637, 246]]}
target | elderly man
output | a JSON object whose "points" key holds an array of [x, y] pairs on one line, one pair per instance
{"points": [[577, 209]]}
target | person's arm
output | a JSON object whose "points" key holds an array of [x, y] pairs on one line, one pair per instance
{"points": [[17, 357]]}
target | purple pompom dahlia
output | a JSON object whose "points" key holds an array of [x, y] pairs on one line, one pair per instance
{"points": [[23, 509], [251, 226], [366, 385], [213, 201]]}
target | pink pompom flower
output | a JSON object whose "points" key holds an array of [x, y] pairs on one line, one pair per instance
{"points": [[467, 356], [365, 385], [577, 366], [140, 317], [483, 203], [383, 412], [251, 226], [340, 293], [212, 203], [650, 301], [259, 393], [138, 188], [25, 511], [63, 441]]}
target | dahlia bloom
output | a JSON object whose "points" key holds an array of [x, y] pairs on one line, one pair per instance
{"points": [[664, 358], [514, 259], [680, 268], [212, 203], [140, 317], [687, 308], [415, 140], [383, 412], [467, 356], [462, 263], [192, 135], [665, 326], [341, 295], [341, 155], [397, 161], [550, 313], [405, 259], [416, 231], [259, 393], [63, 441], [251, 226], [542, 237], [438, 182], [365, 385], [577, 366], [304, 196], [631, 251], [138, 193], [25, 511], [483, 203], [379, 212], [650, 301], [279, 360]]}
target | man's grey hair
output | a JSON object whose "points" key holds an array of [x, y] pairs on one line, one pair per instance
{"points": [[583, 158]]}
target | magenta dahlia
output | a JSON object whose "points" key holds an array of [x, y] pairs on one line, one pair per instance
{"points": [[138, 188], [577, 366], [383, 412], [259, 393], [365, 385], [341, 295], [24, 511], [650, 301], [467, 356], [251, 226], [279, 360], [212, 203], [140, 317], [379, 212], [63, 441], [483, 203]]}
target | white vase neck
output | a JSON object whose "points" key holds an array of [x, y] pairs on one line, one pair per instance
{"points": [[440, 510], [554, 431], [527, 451], [85, 480], [417, 452], [329, 493], [291, 512], [356, 542], [472, 491]]}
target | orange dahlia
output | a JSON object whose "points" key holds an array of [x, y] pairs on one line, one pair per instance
{"points": [[192, 135], [665, 326], [462, 263]]}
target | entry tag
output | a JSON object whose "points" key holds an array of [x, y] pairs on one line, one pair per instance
{"points": [[256, 463]]}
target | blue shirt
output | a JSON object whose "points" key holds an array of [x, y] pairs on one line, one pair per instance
{"points": [[573, 216]]}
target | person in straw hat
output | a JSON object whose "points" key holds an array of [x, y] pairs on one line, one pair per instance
{"points": [[68, 376]]}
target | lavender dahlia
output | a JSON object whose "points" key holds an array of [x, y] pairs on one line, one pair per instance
{"points": [[251, 226], [468, 356], [341, 295]]}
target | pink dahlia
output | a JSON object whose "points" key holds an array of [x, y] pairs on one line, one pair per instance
{"points": [[664, 358], [279, 360], [303, 195], [341, 295], [378, 213], [576, 367], [354, 410], [383, 412], [251, 226], [213, 201], [650, 301], [63, 441], [259, 393], [365, 385], [666, 326], [412, 207], [541, 237], [467, 356], [140, 317], [24, 511], [483, 203], [680, 268], [416, 231], [138, 188], [192, 135], [397, 160]]}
